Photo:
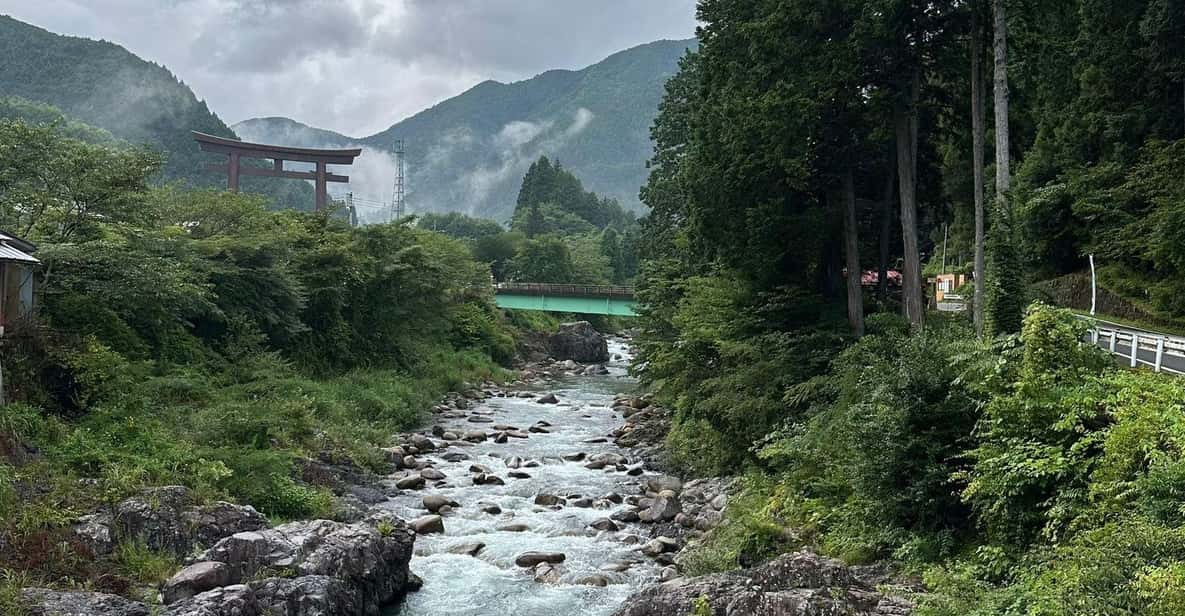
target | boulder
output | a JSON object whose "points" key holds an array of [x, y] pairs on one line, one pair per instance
{"points": [[664, 508], [485, 479], [548, 500], [368, 559], [595, 579], [548, 399], [603, 524], [154, 518], [530, 559], [796, 584], [659, 483], [434, 502], [308, 595], [467, 549], [94, 531], [513, 527], [547, 573], [578, 341], [428, 524], [237, 600], [421, 442], [44, 602], [431, 474], [195, 579], [411, 482]]}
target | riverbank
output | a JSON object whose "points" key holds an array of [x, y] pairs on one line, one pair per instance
{"points": [[541, 494]]}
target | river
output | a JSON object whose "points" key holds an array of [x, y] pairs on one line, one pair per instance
{"points": [[490, 583]]}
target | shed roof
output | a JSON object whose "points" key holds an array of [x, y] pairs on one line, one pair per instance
{"points": [[13, 248]]}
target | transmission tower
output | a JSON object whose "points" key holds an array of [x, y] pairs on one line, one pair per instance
{"points": [[397, 194]]}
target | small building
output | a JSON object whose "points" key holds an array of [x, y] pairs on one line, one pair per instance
{"points": [[17, 267], [945, 298]]}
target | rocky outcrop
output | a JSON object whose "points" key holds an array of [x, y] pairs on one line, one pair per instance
{"points": [[798, 584], [578, 341], [646, 426], [165, 519], [306, 568], [42, 602]]}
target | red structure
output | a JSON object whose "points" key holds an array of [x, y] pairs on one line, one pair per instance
{"points": [[236, 150]]}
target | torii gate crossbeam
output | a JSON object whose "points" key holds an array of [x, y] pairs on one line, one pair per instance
{"points": [[235, 150]]}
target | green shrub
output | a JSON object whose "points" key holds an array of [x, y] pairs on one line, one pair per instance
{"points": [[870, 469], [754, 531], [142, 564]]}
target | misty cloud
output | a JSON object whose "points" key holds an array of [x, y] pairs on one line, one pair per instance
{"points": [[518, 144], [358, 66]]}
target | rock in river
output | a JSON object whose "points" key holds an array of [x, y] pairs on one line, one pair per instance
{"points": [[530, 559], [580, 342], [428, 524]]}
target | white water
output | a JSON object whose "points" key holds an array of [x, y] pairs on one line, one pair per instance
{"points": [[490, 583]]}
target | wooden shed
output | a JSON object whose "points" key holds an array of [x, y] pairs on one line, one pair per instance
{"points": [[17, 293]]}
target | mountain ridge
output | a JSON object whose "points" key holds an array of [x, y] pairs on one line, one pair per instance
{"points": [[467, 153], [103, 84]]}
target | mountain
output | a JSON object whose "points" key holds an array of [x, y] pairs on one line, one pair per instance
{"points": [[469, 153], [104, 85]]}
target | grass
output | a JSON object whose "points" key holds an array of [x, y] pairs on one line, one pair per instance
{"points": [[241, 433], [144, 565]]}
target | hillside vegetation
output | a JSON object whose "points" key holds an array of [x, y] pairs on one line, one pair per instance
{"points": [[194, 338], [104, 85], [1003, 461]]}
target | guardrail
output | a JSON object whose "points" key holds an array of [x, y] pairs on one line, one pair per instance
{"points": [[1160, 347], [566, 290]]}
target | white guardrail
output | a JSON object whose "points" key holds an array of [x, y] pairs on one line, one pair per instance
{"points": [[1158, 346]]}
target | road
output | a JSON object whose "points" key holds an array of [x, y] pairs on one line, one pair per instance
{"points": [[1171, 363]]}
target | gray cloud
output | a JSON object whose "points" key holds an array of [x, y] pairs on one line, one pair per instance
{"points": [[357, 66]]}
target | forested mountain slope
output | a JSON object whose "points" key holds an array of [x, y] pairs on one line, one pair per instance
{"points": [[468, 153], [104, 85]]}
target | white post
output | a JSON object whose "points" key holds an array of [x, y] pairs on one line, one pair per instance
{"points": [[1159, 352], [1114, 337], [1093, 286], [1094, 336], [1135, 348]]}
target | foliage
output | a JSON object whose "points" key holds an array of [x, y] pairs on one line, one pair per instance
{"points": [[195, 338], [898, 396], [458, 226], [144, 565]]}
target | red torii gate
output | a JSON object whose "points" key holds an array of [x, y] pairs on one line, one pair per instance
{"points": [[234, 150]]}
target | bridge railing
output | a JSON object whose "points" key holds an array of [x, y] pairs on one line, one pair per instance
{"points": [[566, 290], [1159, 346]]}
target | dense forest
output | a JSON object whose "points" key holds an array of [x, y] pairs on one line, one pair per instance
{"points": [[992, 453], [560, 233]]}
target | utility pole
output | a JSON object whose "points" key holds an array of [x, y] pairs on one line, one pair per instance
{"points": [[397, 193]]}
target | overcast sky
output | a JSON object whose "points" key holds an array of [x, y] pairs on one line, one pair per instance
{"points": [[357, 66]]}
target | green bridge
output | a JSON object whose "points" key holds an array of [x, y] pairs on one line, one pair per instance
{"points": [[583, 299]]}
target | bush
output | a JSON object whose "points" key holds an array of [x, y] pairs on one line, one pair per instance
{"points": [[870, 469]]}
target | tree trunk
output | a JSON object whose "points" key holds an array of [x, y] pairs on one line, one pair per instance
{"points": [[977, 122], [852, 255], [882, 272], [906, 128], [1003, 175]]}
